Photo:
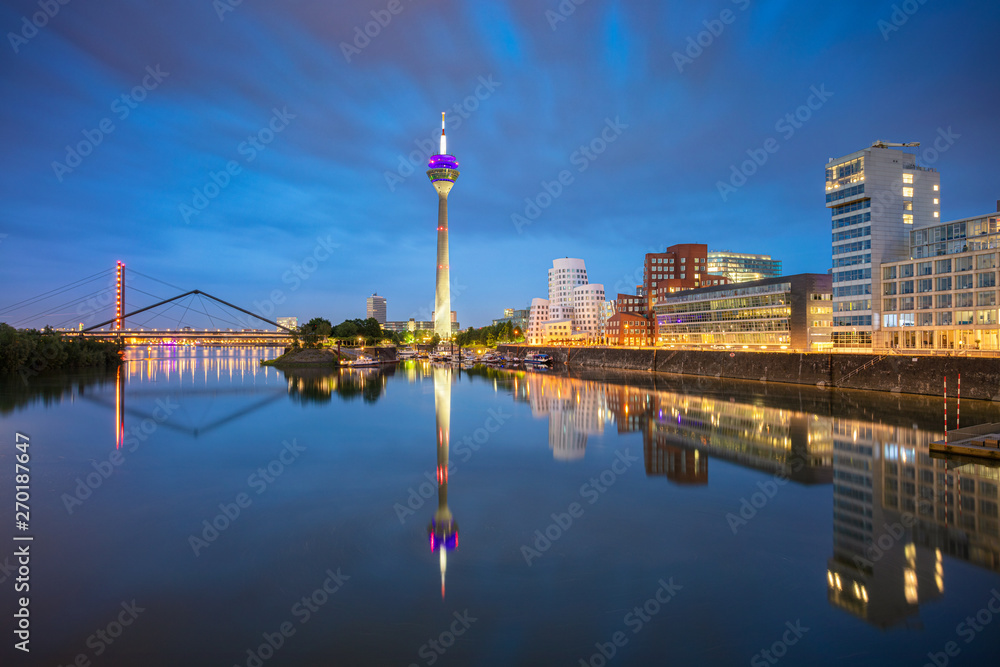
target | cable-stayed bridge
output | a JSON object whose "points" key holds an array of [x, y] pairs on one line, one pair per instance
{"points": [[113, 312]]}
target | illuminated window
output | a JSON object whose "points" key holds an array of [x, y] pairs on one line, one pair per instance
{"points": [[936, 214], [907, 206], [936, 200], [907, 192], [907, 178], [907, 218], [935, 188]]}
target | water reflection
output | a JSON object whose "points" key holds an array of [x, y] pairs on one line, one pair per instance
{"points": [[315, 385], [896, 511], [443, 529]]}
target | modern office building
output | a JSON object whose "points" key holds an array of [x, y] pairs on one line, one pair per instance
{"points": [[682, 266], [443, 172], [413, 325], [518, 317], [741, 267], [943, 295], [376, 308], [288, 322], [876, 196], [790, 312]]}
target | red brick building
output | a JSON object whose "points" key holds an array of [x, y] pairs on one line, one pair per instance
{"points": [[681, 266], [628, 329]]}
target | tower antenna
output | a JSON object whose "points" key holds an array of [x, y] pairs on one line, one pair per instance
{"points": [[444, 146]]}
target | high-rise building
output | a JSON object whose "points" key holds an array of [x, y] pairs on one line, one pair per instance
{"points": [[741, 267], [376, 307], [288, 322], [443, 172], [876, 196], [574, 309]]}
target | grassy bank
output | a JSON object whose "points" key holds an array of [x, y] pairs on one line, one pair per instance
{"points": [[305, 357]]}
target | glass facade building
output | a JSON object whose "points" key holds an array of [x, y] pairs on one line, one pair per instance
{"points": [[741, 267], [792, 312], [875, 196], [943, 296]]}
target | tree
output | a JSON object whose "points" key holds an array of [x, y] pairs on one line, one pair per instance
{"points": [[435, 340], [315, 329]]}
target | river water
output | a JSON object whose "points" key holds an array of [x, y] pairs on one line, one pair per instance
{"points": [[195, 508]]}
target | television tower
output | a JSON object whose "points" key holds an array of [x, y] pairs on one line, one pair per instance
{"points": [[443, 172]]}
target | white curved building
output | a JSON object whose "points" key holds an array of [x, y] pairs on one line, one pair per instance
{"points": [[537, 316]]}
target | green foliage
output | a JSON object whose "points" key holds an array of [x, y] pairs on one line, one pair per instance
{"points": [[28, 352], [315, 329], [489, 336], [369, 330]]}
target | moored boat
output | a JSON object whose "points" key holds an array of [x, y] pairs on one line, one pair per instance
{"points": [[538, 359]]}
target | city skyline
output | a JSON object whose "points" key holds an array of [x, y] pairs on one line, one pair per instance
{"points": [[223, 173]]}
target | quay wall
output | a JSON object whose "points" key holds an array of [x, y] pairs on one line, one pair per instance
{"points": [[897, 373]]}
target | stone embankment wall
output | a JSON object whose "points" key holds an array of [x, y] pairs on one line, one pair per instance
{"points": [[892, 373]]}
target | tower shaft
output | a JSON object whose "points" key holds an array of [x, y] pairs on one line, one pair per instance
{"points": [[442, 289]]}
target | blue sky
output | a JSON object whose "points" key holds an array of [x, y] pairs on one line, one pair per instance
{"points": [[316, 122]]}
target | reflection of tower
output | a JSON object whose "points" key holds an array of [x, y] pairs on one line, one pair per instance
{"points": [[443, 529], [443, 171], [120, 407]]}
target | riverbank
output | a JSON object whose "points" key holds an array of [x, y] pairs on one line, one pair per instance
{"points": [[896, 373], [28, 352]]}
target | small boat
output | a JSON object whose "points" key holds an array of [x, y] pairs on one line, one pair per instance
{"points": [[538, 359], [362, 360], [407, 354]]}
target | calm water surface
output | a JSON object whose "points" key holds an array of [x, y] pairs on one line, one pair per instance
{"points": [[228, 514]]}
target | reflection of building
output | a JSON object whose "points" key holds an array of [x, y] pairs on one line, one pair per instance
{"points": [[794, 444], [443, 529], [896, 513], [376, 308], [678, 464], [575, 409]]}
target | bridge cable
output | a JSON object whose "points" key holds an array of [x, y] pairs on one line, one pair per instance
{"points": [[51, 312], [156, 279], [51, 293]]}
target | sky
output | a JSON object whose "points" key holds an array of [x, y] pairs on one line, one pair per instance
{"points": [[273, 154]]}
